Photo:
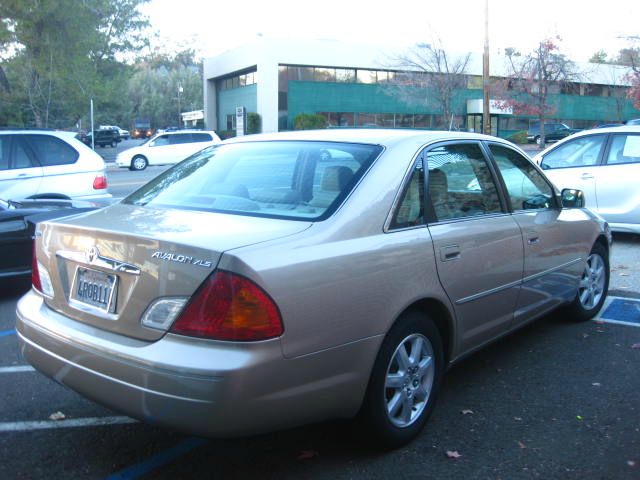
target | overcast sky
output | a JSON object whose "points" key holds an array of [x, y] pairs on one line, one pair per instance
{"points": [[212, 27]]}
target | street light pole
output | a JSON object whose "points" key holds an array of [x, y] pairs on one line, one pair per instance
{"points": [[486, 111]]}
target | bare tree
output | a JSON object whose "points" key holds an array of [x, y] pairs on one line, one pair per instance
{"points": [[428, 76], [531, 78]]}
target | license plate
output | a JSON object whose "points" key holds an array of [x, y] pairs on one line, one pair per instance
{"points": [[94, 288]]}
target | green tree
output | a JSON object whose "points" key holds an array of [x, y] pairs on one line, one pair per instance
{"points": [[164, 85], [61, 53]]}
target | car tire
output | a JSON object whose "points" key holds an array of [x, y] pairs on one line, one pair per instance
{"points": [[404, 382], [536, 140], [139, 163], [593, 287]]}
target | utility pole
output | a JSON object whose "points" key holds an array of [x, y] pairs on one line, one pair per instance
{"points": [[180, 90], [486, 111]]}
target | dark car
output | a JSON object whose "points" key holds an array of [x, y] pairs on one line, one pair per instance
{"points": [[103, 137], [552, 132], [17, 227]]}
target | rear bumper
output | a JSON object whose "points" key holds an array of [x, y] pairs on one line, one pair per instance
{"points": [[198, 386]]}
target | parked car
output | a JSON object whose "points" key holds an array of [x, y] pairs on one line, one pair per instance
{"points": [[122, 134], [256, 286], [103, 138], [605, 165], [166, 149], [49, 164], [633, 121], [17, 229], [552, 132]]}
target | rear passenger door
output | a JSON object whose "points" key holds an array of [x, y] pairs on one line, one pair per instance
{"points": [[20, 172], [57, 159], [477, 243]]}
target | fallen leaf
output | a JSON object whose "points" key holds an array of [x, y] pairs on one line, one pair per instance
{"points": [[466, 412], [308, 454], [57, 416], [522, 445], [622, 274], [453, 454], [596, 384], [635, 346], [579, 417], [517, 419], [631, 463]]}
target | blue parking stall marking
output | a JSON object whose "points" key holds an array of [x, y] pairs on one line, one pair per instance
{"points": [[159, 459], [6, 333], [623, 311]]}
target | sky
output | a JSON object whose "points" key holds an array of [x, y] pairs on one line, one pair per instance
{"points": [[212, 27]]}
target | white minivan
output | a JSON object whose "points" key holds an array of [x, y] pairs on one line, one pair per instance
{"points": [[166, 149], [49, 164], [605, 164]]}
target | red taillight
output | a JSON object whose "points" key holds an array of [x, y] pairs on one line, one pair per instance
{"points": [[100, 182], [230, 307], [35, 275]]}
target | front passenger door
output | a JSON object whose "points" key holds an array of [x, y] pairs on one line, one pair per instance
{"points": [[552, 252]]}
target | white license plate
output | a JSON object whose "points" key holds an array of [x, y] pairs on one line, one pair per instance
{"points": [[94, 288]]}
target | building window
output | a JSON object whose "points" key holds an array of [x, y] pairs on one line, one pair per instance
{"points": [[366, 76], [231, 122], [345, 75]]}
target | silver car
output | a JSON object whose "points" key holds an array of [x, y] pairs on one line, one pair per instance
{"points": [[604, 164], [277, 280]]}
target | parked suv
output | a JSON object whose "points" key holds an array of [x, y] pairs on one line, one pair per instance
{"points": [[104, 137], [552, 132], [166, 149], [49, 164]]}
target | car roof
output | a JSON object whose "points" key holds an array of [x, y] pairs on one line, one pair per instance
{"points": [[377, 136]]}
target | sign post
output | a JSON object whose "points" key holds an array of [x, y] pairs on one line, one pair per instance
{"points": [[241, 114]]}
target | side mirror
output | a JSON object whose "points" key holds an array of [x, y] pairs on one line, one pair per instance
{"points": [[572, 198]]}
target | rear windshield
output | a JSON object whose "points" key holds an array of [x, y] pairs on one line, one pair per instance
{"points": [[283, 179]]}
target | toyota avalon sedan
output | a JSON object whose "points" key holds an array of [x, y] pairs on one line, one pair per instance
{"points": [[277, 280]]}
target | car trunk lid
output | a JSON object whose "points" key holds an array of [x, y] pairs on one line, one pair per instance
{"points": [[108, 266]]}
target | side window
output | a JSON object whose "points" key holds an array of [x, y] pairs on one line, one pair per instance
{"points": [[201, 137], [21, 159], [50, 150], [180, 138], [624, 149], [581, 152], [527, 189], [4, 152], [160, 141], [410, 211], [460, 183]]}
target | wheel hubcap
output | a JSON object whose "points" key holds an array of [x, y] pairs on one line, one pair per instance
{"points": [[138, 163], [409, 380], [592, 282]]}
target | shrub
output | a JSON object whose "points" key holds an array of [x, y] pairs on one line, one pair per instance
{"points": [[518, 137], [309, 121], [254, 123], [224, 134]]}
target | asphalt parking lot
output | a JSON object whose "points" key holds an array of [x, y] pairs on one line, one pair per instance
{"points": [[555, 400]]}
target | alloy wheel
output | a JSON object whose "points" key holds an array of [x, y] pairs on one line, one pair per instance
{"points": [[409, 380], [592, 283]]}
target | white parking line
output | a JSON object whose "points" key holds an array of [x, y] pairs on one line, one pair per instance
{"points": [[17, 368], [68, 423]]}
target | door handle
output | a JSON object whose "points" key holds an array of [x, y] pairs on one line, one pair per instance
{"points": [[451, 252], [533, 240], [586, 176]]}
